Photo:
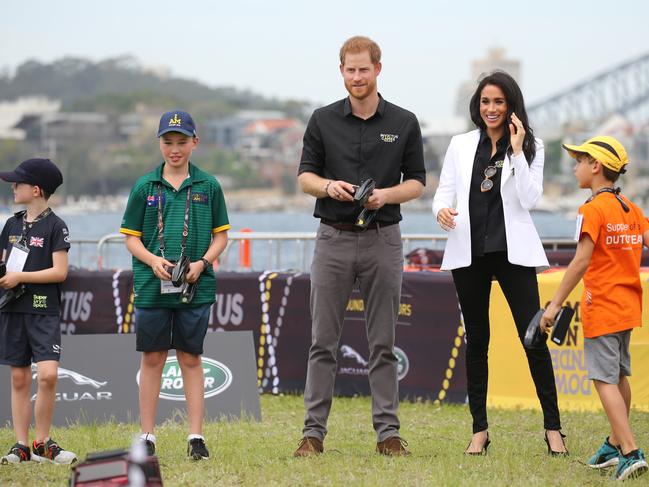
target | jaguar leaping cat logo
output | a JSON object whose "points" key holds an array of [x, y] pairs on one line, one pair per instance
{"points": [[76, 377], [349, 352]]}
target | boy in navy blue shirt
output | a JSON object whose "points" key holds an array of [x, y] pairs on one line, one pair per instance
{"points": [[35, 244]]}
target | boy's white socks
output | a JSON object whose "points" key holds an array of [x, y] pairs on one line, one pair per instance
{"points": [[193, 435], [147, 436]]}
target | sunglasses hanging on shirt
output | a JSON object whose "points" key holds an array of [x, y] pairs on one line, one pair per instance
{"points": [[487, 184], [490, 172]]}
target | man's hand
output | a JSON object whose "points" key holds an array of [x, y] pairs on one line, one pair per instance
{"points": [[158, 265], [549, 317], [10, 280], [195, 270], [377, 199], [340, 190]]}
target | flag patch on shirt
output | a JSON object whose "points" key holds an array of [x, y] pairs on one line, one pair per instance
{"points": [[152, 200], [36, 241], [200, 198]]}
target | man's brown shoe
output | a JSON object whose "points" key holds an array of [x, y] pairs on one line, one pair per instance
{"points": [[309, 446], [393, 446]]}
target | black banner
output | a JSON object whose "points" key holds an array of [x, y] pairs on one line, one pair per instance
{"points": [[275, 307]]}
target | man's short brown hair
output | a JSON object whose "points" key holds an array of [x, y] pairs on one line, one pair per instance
{"points": [[358, 44]]}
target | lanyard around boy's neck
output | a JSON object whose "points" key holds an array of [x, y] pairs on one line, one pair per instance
{"points": [[615, 192], [161, 238], [28, 225]]}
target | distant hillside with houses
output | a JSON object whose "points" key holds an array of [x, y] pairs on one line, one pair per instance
{"points": [[119, 84], [98, 122]]}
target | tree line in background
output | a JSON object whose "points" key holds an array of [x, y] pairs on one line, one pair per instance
{"points": [[117, 87]]}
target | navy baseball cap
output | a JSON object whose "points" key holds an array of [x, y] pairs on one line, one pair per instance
{"points": [[37, 172], [177, 121]]}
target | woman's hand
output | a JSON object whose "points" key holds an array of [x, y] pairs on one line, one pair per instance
{"points": [[517, 134], [446, 218]]}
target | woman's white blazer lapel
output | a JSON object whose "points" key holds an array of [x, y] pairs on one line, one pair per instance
{"points": [[467, 156]]}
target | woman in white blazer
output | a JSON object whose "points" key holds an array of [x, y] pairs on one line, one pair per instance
{"points": [[491, 178]]}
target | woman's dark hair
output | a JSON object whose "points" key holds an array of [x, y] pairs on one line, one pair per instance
{"points": [[515, 103]]}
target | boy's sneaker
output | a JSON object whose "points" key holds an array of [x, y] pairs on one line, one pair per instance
{"points": [[606, 456], [148, 440], [51, 452], [18, 453], [150, 447], [631, 465], [197, 450]]}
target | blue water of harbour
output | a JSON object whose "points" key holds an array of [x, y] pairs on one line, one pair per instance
{"points": [[264, 255], [95, 225]]}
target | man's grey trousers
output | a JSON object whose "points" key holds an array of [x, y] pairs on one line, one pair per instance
{"points": [[374, 258]]}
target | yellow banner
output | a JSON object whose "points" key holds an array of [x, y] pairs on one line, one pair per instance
{"points": [[510, 382]]}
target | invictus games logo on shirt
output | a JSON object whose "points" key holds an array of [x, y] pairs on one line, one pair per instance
{"points": [[39, 301], [200, 198], [389, 137], [175, 122], [218, 378], [404, 364]]}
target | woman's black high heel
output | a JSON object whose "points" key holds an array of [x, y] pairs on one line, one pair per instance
{"points": [[551, 451], [481, 452]]}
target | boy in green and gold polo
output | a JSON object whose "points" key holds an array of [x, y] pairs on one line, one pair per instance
{"points": [[176, 212]]}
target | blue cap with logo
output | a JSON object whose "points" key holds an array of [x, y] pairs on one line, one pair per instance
{"points": [[177, 121]]}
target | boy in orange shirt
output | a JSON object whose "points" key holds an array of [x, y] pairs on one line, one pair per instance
{"points": [[611, 231]]}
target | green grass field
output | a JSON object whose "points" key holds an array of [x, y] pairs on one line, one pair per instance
{"points": [[251, 453]]}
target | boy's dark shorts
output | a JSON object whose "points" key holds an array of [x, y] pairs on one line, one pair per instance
{"points": [[28, 337], [183, 329]]}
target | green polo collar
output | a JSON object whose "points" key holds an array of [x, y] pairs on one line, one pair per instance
{"points": [[195, 176]]}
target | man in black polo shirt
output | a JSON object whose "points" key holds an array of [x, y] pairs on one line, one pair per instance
{"points": [[360, 137]]}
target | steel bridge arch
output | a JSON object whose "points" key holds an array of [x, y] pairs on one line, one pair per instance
{"points": [[623, 90]]}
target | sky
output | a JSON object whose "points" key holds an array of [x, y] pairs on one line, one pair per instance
{"points": [[289, 49]]}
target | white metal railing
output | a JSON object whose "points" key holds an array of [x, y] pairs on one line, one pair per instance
{"points": [[268, 250]]}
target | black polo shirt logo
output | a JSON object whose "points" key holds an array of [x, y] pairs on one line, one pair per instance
{"points": [[389, 138]]}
